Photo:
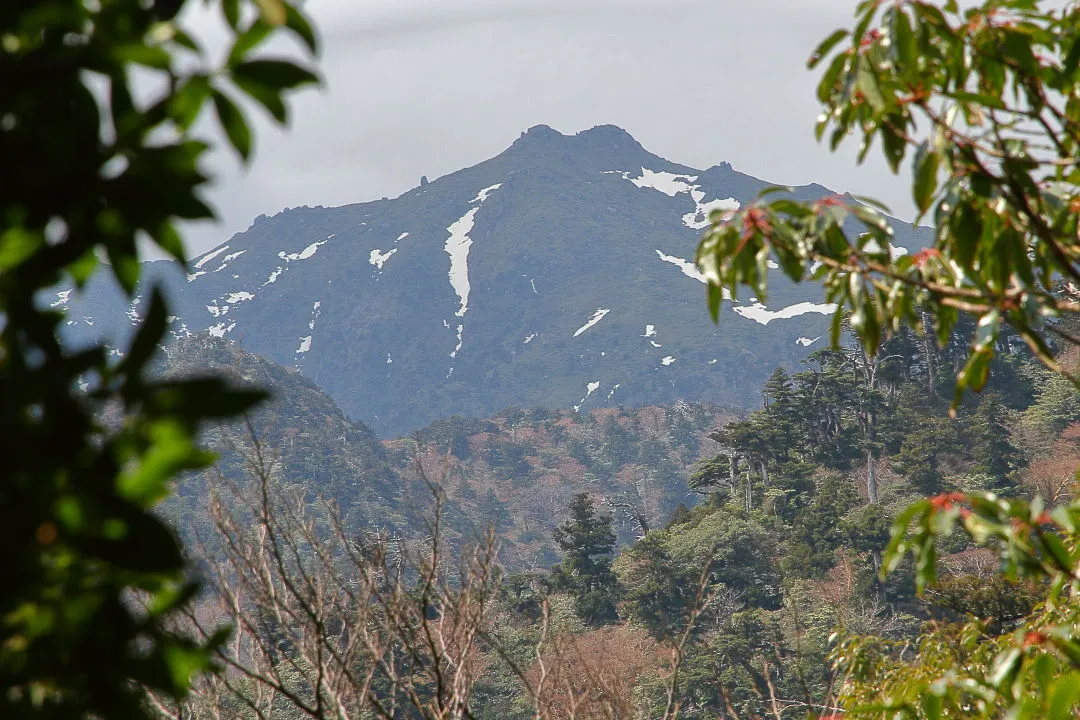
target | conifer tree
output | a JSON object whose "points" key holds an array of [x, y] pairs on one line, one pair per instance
{"points": [[587, 541]]}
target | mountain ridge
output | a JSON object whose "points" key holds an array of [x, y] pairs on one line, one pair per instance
{"points": [[556, 273]]}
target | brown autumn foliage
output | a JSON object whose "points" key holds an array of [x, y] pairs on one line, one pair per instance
{"points": [[1054, 476], [592, 676]]}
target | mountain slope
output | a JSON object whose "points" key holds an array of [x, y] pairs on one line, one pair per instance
{"points": [[516, 472], [554, 274]]}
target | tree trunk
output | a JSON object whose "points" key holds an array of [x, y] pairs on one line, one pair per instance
{"points": [[871, 477], [764, 473], [928, 351], [749, 490], [733, 468]]}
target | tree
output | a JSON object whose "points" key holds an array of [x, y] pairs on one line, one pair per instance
{"points": [[91, 574], [587, 541], [986, 98]]}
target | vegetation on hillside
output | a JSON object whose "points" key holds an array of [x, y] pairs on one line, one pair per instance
{"points": [[766, 599]]}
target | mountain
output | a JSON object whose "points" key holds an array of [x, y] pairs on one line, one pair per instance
{"points": [[555, 274], [516, 472]]}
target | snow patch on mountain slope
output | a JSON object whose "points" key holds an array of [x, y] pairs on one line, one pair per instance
{"points": [[457, 247], [763, 316], [132, 311], [672, 184], [483, 194], [596, 317], [650, 331], [667, 360], [401, 237], [688, 268], [895, 251], [668, 183], [209, 256], [807, 342], [306, 253], [220, 329], [242, 296], [700, 218], [529, 339], [227, 259], [589, 390], [379, 258], [274, 275], [305, 345]]}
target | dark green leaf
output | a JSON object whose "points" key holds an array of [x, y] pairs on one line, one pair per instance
{"points": [[295, 21], [149, 335], [825, 46], [281, 74], [233, 123], [249, 40], [925, 182]]}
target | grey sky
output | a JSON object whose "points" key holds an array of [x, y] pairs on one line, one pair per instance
{"points": [[418, 87]]}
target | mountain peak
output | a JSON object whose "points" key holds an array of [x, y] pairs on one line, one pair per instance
{"points": [[610, 137], [540, 133]]}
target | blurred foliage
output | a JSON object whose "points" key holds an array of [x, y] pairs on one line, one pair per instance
{"points": [[95, 166]]}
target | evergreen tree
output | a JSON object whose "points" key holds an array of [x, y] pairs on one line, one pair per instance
{"points": [[992, 449], [587, 541]]}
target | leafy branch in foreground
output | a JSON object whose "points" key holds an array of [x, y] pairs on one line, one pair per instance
{"points": [[960, 671], [988, 101], [93, 166]]}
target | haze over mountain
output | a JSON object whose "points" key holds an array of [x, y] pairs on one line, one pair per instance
{"points": [[555, 274]]}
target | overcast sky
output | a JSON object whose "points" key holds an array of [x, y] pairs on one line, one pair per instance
{"points": [[426, 87]]}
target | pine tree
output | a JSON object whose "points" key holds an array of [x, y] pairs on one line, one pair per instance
{"points": [[992, 449], [587, 541]]}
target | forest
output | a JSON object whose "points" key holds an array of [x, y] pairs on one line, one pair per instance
{"points": [[764, 599]]}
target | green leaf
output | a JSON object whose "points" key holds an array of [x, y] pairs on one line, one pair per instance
{"points": [[171, 451], [230, 9], [249, 40], [867, 84], [893, 141], [298, 23], [715, 298], [149, 335], [16, 245], [825, 46], [268, 97], [904, 47], [925, 182], [1069, 65], [986, 331], [146, 55], [281, 74], [1063, 698], [1005, 667], [188, 101], [931, 705], [1057, 551], [233, 123]]}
